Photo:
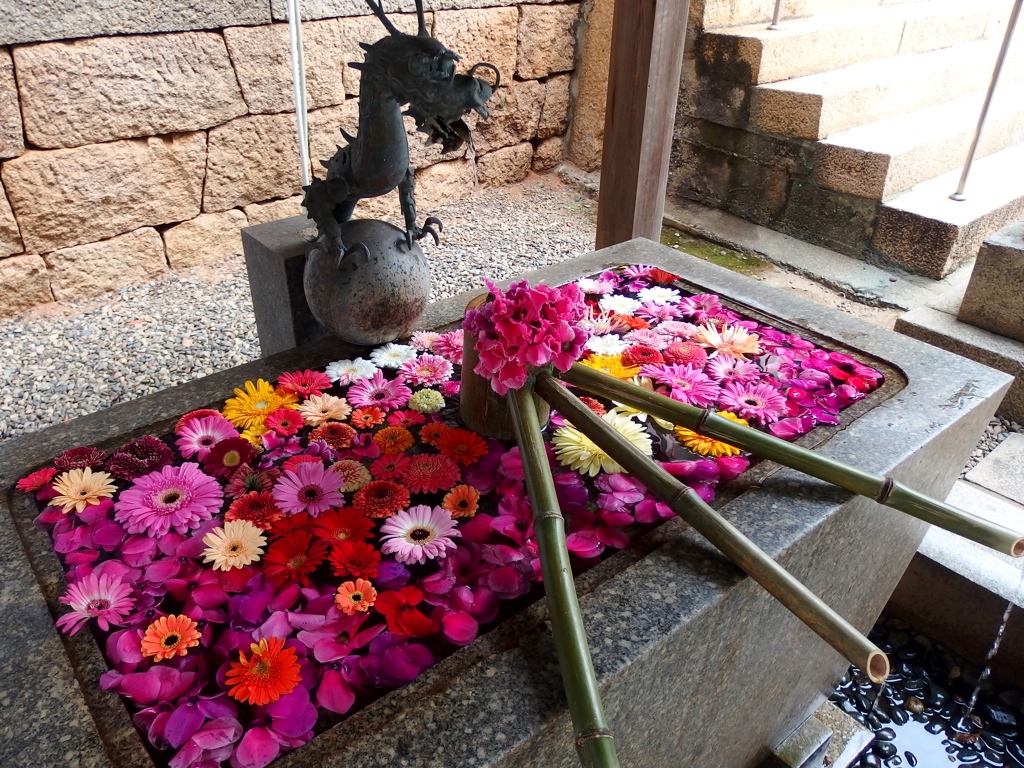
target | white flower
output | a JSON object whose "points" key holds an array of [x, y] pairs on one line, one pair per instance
{"points": [[606, 345], [593, 285], [346, 371], [619, 304], [659, 295], [392, 355]]}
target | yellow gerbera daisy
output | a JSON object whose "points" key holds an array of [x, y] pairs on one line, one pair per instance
{"points": [[251, 406], [78, 488], [577, 451], [707, 446], [732, 341], [254, 435], [235, 545], [612, 365]]}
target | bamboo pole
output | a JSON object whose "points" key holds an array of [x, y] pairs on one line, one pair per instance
{"points": [[594, 742], [884, 490], [685, 502]]}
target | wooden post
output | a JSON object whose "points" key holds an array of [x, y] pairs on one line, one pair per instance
{"points": [[643, 87]]}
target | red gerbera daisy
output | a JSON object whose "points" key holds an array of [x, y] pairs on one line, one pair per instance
{"points": [[227, 456], [293, 558], [429, 472], [661, 277], [380, 498], [293, 461], [258, 507], [36, 480], [284, 421], [394, 440], [389, 467], [367, 418], [406, 418], [305, 383], [341, 525], [398, 607], [289, 524], [461, 445], [202, 413], [355, 558], [335, 434], [594, 405], [641, 355], [431, 433]]}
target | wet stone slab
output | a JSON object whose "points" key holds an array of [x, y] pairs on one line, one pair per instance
{"points": [[698, 666]]}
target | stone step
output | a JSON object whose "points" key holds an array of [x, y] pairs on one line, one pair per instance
{"points": [[889, 156], [753, 54], [926, 232], [817, 106]]}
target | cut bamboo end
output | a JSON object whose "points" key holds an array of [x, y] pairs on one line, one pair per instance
{"points": [[1017, 550], [878, 667]]}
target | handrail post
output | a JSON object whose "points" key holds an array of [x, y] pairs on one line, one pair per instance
{"points": [[299, 86], [775, 16]]}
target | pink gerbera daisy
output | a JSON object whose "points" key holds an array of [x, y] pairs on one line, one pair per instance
{"points": [[173, 497], [418, 534], [426, 370], [104, 598], [197, 437], [753, 401], [677, 330], [687, 353], [702, 307], [305, 383], [378, 391], [284, 421], [429, 472], [308, 488], [424, 340], [648, 338], [449, 346], [686, 383], [653, 311], [729, 369]]}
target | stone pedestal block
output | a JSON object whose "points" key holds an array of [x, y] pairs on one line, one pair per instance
{"points": [[994, 299]]}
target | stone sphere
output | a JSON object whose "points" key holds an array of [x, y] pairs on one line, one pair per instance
{"points": [[370, 297]]}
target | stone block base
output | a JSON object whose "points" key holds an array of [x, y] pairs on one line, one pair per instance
{"points": [[994, 300]]}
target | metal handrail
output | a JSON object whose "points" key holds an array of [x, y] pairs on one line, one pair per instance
{"points": [[299, 86], [775, 16]]}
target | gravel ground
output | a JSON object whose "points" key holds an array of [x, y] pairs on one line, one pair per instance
{"points": [[73, 358], [997, 430]]}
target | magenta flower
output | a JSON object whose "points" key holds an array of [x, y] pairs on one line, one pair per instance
{"points": [[724, 369], [391, 661], [380, 392], [333, 636], [308, 488], [104, 598], [198, 436], [686, 383], [649, 338], [426, 370], [450, 346], [702, 307], [177, 498], [753, 401]]}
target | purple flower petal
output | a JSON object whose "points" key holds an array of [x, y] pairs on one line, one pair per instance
{"points": [[257, 749]]}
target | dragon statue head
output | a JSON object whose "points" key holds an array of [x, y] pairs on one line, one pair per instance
{"points": [[420, 71]]}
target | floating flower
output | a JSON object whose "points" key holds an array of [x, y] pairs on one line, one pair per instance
{"points": [[687, 353], [450, 346], [367, 418], [641, 355], [353, 596], [707, 446], [392, 355], [335, 434], [462, 501], [235, 545], [36, 480], [178, 498], [319, 409], [701, 307], [304, 383], [629, 322], [354, 475], [577, 451], [378, 391], [256, 507], [340, 525], [728, 369], [346, 371], [202, 413], [170, 636], [686, 383], [251, 406], [426, 370], [380, 498], [611, 365], [407, 418], [659, 295], [424, 340], [104, 598], [618, 304], [600, 323], [660, 312], [227, 456], [389, 467], [606, 345], [661, 277], [197, 437], [394, 440], [309, 488], [404, 619], [594, 405], [678, 331], [461, 445], [79, 488], [254, 435], [83, 457], [761, 402], [429, 472], [450, 388], [269, 674], [284, 421], [246, 480], [356, 559], [427, 401], [293, 557], [139, 457], [431, 433], [418, 534], [731, 341], [649, 338], [595, 286]]}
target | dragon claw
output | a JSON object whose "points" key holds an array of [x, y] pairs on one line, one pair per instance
{"points": [[428, 228]]}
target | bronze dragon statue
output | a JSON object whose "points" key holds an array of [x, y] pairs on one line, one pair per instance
{"points": [[400, 69]]}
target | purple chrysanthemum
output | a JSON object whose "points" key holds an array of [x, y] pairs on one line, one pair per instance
{"points": [[753, 401], [686, 383], [308, 488], [380, 392], [173, 497], [729, 369], [198, 436], [104, 598]]}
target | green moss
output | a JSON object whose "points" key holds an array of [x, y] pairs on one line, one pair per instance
{"points": [[716, 254]]}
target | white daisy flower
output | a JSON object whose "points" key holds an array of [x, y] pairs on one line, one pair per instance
{"points": [[659, 294], [619, 304], [606, 345], [392, 355], [346, 371]]}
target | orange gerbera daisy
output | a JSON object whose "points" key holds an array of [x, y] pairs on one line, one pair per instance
{"points": [[393, 440], [461, 445], [633, 323], [462, 501], [170, 636], [358, 595], [365, 418], [431, 433], [335, 434], [269, 674]]}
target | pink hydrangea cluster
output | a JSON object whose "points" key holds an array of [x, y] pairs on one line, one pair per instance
{"points": [[526, 328]]}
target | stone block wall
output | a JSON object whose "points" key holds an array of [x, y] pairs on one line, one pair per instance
{"points": [[148, 142]]}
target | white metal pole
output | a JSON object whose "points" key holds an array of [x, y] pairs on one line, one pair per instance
{"points": [[299, 85], [775, 16]]}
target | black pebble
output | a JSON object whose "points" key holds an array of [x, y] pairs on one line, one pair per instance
{"points": [[900, 716], [885, 749], [999, 716], [885, 734], [911, 759]]}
